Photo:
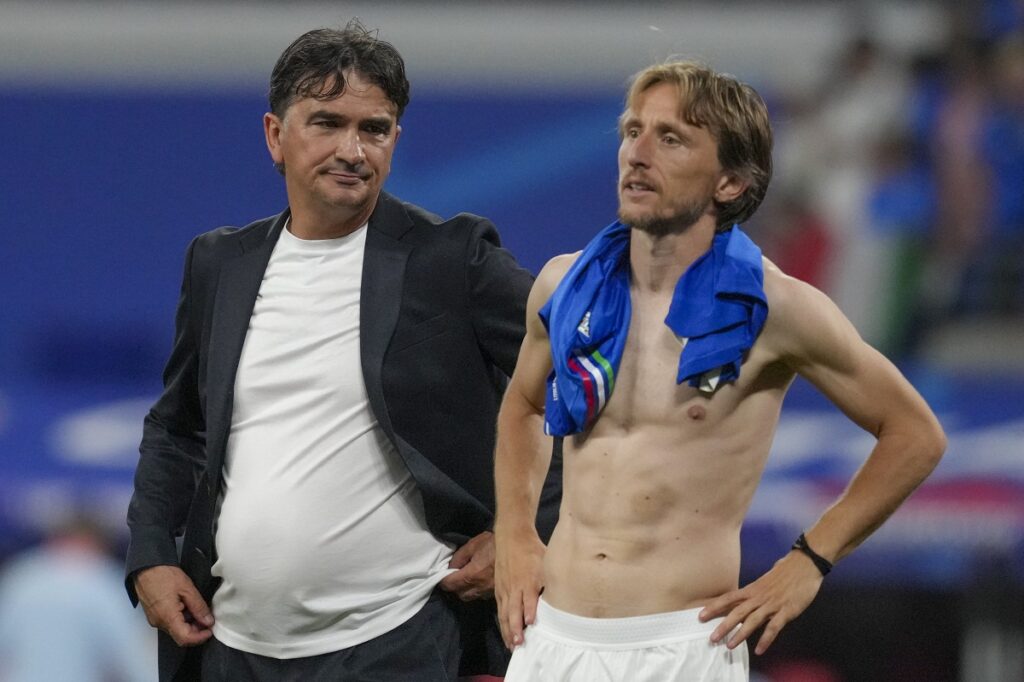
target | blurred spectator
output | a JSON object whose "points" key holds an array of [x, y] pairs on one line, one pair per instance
{"points": [[999, 17], [976, 137], [901, 206], [63, 616], [794, 237], [995, 280], [859, 102], [962, 177]]}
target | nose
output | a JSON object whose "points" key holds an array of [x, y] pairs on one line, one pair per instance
{"points": [[638, 150], [349, 148]]}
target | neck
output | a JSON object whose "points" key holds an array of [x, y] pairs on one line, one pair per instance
{"points": [[310, 224], [657, 262]]}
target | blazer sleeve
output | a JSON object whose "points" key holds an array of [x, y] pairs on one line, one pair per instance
{"points": [[497, 288], [173, 448]]}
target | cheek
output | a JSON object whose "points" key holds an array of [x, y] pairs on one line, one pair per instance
{"points": [[623, 155], [382, 160]]}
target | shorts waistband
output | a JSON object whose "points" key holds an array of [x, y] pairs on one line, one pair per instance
{"points": [[634, 630]]}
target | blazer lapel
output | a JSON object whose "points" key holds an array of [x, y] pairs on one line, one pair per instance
{"points": [[380, 297], [237, 287]]}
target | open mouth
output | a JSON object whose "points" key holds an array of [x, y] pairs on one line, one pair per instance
{"points": [[636, 187]]}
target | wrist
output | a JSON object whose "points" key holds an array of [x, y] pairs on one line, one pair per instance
{"points": [[514, 529], [823, 565]]}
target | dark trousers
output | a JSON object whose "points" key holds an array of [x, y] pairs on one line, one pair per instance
{"points": [[425, 648]]}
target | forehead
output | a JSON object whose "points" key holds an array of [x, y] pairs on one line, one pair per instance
{"points": [[666, 103], [360, 97], [663, 101]]}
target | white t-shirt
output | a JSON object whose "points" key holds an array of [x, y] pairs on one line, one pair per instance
{"points": [[321, 539]]}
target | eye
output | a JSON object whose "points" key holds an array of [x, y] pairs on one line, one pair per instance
{"points": [[671, 140], [633, 133], [325, 123], [376, 129]]}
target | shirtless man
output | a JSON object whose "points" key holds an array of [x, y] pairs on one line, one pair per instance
{"points": [[663, 451]]}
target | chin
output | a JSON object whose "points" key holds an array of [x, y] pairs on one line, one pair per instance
{"points": [[641, 220], [633, 217]]}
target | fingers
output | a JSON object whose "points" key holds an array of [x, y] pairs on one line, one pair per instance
{"points": [[478, 548], [185, 633], [719, 606], [747, 625], [771, 631], [510, 615], [462, 556], [173, 604], [750, 624], [453, 583], [739, 614], [197, 607], [771, 602], [514, 621], [520, 579], [519, 612], [469, 583], [191, 624], [474, 578], [506, 634], [530, 608]]}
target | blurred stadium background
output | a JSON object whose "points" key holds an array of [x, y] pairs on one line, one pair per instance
{"points": [[899, 190]]}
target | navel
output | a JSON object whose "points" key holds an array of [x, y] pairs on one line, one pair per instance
{"points": [[696, 412]]}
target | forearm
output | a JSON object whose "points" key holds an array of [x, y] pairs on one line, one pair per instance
{"points": [[522, 459], [165, 484], [900, 461]]}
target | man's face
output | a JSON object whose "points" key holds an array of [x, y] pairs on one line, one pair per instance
{"points": [[669, 172], [336, 153]]}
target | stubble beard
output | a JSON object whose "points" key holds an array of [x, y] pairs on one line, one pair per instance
{"points": [[659, 226]]}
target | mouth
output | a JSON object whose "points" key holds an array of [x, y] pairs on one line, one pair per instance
{"points": [[344, 177], [636, 187]]}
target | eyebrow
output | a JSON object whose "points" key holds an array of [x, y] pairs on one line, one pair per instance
{"points": [[672, 127], [626, 120], [385, 121], [675, 127]]}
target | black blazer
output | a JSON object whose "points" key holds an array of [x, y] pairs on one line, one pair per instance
{"points": [[442, 312]]}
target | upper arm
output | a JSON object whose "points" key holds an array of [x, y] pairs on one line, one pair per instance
{"points": [[814, 338], [178, 412], [534, 364], [497, 288], [173, 448]]}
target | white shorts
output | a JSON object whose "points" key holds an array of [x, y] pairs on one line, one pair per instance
{"points": [[662, 647]]}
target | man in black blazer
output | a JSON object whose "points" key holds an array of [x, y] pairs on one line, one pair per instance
{"points": [[234, 445]]}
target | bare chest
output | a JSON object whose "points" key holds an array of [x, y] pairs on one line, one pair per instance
{"points": [[646, 392]]}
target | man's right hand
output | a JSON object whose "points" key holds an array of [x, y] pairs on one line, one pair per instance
{"points": [[518, 581], [173, 604]]}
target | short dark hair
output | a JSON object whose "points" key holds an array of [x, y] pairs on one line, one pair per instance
{"points": [[315, 65]]}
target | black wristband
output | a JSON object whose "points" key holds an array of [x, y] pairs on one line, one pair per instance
{"points": [[823, 564]]}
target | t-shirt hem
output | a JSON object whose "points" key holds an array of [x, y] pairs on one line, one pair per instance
{"points": [[335, 642]]}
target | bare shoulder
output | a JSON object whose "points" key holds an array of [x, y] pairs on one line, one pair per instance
{"points": [[554, 270], [788, 297], [550, 275], [534, 362], [808, 333], [804, 325]]}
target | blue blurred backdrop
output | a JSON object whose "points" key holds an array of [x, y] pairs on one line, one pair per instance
{"points": [[129, 129]]}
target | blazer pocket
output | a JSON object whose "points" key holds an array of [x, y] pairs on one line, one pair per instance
{"points": [[420, 332]]}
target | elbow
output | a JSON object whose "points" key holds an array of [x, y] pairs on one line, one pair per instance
{"points": [[933, 445], [940, 443]]}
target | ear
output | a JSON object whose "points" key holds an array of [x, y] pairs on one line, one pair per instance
{"points": [[272, 126], [731, 186], [398, 133]]}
